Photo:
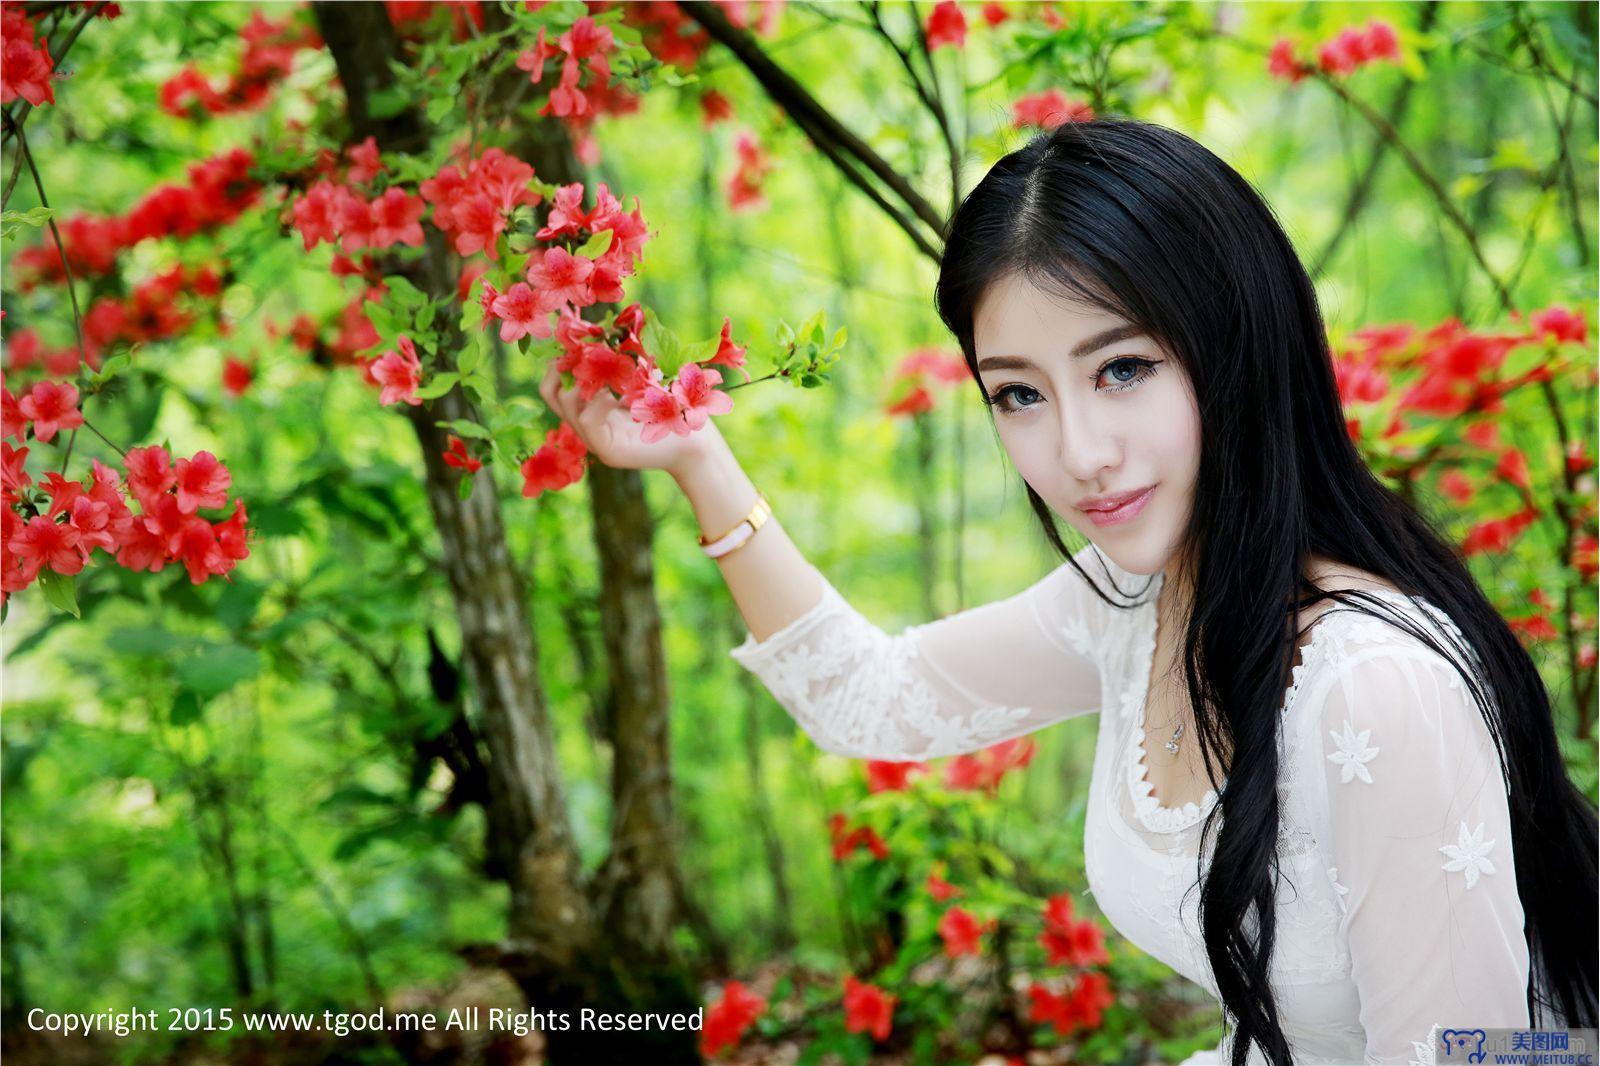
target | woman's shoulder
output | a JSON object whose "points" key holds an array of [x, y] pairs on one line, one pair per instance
{"points": [[1374, 628]]}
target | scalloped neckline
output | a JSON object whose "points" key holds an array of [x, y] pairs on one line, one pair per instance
{"points": [[1155, 815]]}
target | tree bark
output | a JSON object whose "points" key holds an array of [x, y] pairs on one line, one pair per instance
{"points": [[606, 945]]}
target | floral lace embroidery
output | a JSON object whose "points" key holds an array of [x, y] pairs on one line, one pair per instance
{"points": [[1353, 754], [856, 691], [1469, 854]]}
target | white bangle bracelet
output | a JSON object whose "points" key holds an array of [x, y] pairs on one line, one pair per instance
{"points": [[735, 537]]}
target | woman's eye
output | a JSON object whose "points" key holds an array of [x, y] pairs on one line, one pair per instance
{"points": [[1125, 372], [1014, 398]]}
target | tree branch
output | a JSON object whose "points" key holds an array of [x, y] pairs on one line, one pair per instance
{"points": [[811, 116]]}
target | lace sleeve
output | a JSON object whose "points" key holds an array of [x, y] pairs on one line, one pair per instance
{"points": [[1419, 839], [956, 685]]}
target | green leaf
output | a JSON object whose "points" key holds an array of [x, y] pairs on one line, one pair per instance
{"points": [[438, 385], [387, 102], [218, 668], [464, 489], [469, 358], [185, 708], [407, 294], [598, 245], [465, 427], [60, 591], [425, 316]]}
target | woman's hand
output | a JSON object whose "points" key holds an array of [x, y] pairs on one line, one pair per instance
{"points": [[608, 430]]}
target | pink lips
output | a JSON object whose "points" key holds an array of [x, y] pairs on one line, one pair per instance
{"points": [[1123, 513]]}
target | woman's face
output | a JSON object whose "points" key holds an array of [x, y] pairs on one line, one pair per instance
{"points": [[1088, 406]]}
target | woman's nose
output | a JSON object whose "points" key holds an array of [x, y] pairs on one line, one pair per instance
{"points": [[1088, 447]]}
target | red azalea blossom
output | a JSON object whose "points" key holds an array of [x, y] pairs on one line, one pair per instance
{"points": [[399, 374], [557, 463], [456, 455], [946, 25], [961, 932], [867, 1008], [940, 889], [1559, 324], [1049, 109], [697, 394], [727, 1019], [995, 13], [885, 776], [51, 406]]}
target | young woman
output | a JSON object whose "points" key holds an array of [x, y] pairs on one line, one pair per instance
{"points": [[1327, 785]]}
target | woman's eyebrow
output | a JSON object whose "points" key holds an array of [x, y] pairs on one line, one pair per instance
{"points": [[1088, 346]]}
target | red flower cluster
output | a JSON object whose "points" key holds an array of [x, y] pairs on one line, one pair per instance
{"points": [[81, 517], [744, 184], [847, 840], [1351, 48], [727, 1019], [867, 1008], [673, 37], [940, 889], [946, 25], [577, 99], [268, 57], [1069, 941], [408, 15], [25, 67], [891, 776], [962, 932], [154, 310], [397, 373], [339, 213], [1079, 1008], [556, 464], [1049, 109], [473, 205], [987, 768], [919, 374], [218, 192]]}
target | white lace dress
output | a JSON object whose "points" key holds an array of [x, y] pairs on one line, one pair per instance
{"points": [[1397, 909]]}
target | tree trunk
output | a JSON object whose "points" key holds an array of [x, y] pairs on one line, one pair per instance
{"points": [[568, 951]]}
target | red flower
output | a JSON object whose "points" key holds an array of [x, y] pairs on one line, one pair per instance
{"points": [[727, 1019], [940, 889], [456, 455], [51, 406], [728, 353], [846, 840], [201, 482], [399, 374], [1455, 485], [1282, 62], [987, 768], [1513, 467], [867, 1009], [995, 13], [714, 108], [1497, 534], [885, 776], [558, 463], [1560, 324], [697, 393], [946, 25], [1049, 109], [961, 932]]}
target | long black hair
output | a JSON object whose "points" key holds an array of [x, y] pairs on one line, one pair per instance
{"points": [[1146, 223]]}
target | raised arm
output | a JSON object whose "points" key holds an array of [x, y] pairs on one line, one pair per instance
{"points": [[952, 686], [1419, 832]]}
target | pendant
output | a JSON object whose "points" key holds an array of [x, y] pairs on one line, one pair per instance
{"points": [[1172, 745]]}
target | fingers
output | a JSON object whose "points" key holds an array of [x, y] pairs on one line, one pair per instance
{"points": [[594, 414], [548, 386]]}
